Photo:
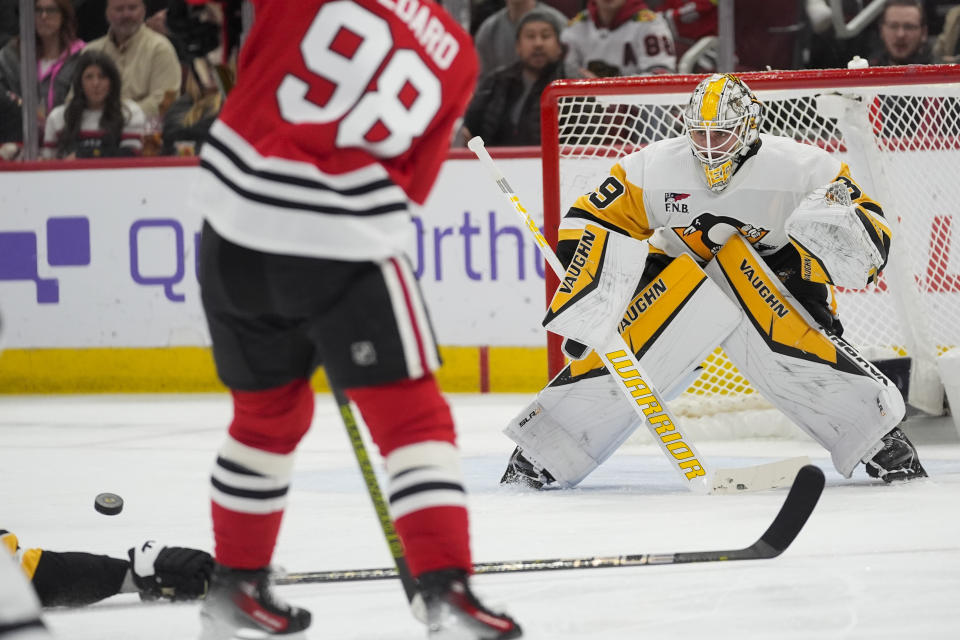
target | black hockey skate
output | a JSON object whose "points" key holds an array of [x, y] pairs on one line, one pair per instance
{"points": [[897, 460], [523, 472], [242, 600], [453, 612]]}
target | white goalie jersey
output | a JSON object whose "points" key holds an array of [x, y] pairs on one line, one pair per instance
{"points": [[658, 194]]}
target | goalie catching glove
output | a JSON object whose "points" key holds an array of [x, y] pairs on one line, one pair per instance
{"points": [[839, 242], [170, 573]]}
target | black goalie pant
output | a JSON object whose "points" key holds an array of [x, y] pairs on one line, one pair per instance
{"points": [[276, 318]]}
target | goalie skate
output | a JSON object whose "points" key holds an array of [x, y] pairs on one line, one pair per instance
{"points": [[896, 460], [454, 613], [522, 471], [240, 605]]}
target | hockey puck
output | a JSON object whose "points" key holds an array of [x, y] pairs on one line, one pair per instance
{"points": [[109, 504]]}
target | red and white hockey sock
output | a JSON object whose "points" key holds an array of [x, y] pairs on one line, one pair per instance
{"points": [[411, 424], [428, 505], [251, 476]]}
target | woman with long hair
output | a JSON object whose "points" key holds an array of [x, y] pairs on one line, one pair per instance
{"points": [[189, 118], [57, 51], [96, 122]]}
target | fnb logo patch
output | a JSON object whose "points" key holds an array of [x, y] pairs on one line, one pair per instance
{"points": [[672, 204]]}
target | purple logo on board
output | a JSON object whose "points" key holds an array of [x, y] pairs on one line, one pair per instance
{"points": [[68, 245]]}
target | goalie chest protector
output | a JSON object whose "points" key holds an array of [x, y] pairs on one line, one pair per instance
{"points": [[689, 217]]}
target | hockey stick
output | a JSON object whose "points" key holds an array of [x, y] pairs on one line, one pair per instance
{"points": [[401, 570], [620, 361], [793, 515]]}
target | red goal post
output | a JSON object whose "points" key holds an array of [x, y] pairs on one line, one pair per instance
{"points": [[897, 127]]}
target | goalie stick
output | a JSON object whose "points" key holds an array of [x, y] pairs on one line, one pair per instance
{"points": [[646, 400], [793, 515]]}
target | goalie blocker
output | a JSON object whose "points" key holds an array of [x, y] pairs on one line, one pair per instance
{"points": [[819, 381]]}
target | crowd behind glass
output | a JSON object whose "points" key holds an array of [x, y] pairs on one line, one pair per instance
{"points": [[147, 77]]}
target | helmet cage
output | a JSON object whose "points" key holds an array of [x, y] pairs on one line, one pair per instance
{"points": [[722, 122], [715, 142]]}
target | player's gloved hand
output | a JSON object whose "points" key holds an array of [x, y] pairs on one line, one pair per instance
{"points": [[170, 573], [574, 350]]}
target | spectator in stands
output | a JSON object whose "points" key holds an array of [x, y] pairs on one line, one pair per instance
{"points": [[147, 61], [188, 119], [57, 49], [96, 122], [506, 107], [947, 48], [903, 32], [497, 36], [619, 38]]}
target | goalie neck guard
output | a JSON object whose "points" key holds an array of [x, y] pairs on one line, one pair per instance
{"points": [[722, 122]]}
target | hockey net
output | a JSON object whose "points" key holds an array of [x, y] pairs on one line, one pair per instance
{"points": [[899, 130]]}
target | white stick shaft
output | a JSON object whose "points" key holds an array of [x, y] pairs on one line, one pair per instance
{"points": [[620, 361], [476, 145]]}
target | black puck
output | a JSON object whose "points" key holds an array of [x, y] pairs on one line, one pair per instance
{"points": [[109, 504]]}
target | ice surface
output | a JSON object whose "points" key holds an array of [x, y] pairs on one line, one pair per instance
{"points": [[874, 561]]}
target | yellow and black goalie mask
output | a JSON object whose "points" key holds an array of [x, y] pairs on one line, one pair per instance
{"points": [[722, 122]]}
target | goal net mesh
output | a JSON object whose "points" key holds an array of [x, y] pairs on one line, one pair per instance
{"points": [[902, 142]]}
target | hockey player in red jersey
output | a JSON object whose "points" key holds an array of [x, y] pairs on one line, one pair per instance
{"points": [[342, 114]]}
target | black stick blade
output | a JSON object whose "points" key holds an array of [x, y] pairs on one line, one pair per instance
{"points": [[802, 498], [796, 509]]}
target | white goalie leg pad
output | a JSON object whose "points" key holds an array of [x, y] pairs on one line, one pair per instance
{"points": [[569, 430], [819, 381], [581, 417], [597, 286]]}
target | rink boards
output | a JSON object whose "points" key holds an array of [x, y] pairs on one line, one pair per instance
{"points": [[98, 279]]}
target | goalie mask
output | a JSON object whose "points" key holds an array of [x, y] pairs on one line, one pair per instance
{"points": [[722, 122]]}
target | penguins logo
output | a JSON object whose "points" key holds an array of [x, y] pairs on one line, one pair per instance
{"points": [[707, 233]]}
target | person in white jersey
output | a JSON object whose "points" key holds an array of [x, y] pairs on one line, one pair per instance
{"points": [[619, 38]]}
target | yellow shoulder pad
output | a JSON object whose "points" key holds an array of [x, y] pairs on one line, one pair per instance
{"points": [[29, 561], [8, 539]]}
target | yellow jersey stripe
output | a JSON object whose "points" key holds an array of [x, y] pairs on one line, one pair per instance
{"points": [[626, 213], [29, 561], [9, 540]]}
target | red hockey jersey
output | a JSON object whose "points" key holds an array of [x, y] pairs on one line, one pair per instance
{"points": [[342, 111]]}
